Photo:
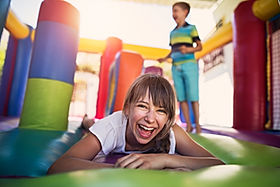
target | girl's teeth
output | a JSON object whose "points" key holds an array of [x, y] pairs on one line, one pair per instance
{"points": [[147, 128]]}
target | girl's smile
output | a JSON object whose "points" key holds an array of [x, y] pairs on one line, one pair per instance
{"points": [[144, 131]]}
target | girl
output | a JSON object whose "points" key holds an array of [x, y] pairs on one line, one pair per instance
{"points": [[146, 125]]}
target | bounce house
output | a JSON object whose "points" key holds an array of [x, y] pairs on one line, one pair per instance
{"points": [[37, 85]]}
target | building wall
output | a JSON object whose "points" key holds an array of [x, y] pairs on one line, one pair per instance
{"points": [[216, 91]]}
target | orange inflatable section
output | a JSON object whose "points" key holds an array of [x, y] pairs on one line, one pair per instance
{"points": [[131, 65]]}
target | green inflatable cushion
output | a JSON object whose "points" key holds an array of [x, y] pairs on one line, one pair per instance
{"points": [[233, 151], [28, 152], [216, 176]]}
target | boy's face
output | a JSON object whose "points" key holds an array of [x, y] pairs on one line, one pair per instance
{"points": [[146, 120], [179, 14]]}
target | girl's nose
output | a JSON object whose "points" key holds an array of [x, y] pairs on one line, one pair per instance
{"points": [[150, 116]]}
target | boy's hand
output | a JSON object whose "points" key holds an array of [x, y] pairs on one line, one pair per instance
{"points": [[186, 50], [160, 60], [141, 161]]}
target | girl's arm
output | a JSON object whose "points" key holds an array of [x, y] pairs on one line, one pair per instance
{"points": [[79, 156], [192, 156], [185, 145]]}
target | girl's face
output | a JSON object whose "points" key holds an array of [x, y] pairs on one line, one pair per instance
{"points": [[179, 14], [146, 120]]}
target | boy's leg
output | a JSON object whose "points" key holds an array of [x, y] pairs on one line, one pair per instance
{"points": [[191, 84], [180, 88], [186, 114], [195, 107]]}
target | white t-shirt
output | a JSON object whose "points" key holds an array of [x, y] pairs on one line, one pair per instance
{"points": [[110, 131]]}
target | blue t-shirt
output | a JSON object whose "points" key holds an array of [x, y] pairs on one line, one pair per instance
{"points": [[185, 35]]}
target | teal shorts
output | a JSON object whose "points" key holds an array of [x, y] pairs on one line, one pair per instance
{"points": [[185, 77]]}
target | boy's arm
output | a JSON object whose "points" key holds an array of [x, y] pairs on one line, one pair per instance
{"points": [[79, 156], [197, 48], [160, 60]]}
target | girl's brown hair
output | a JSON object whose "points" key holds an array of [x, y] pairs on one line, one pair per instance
{"points": [[162, 95]]}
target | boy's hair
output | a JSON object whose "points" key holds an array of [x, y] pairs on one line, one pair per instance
{"points": [[183, 5], [162, 95]]}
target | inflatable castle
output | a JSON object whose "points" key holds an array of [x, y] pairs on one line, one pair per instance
{"points": [[38, 79]]}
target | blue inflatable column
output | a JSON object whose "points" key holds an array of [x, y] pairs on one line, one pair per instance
{"points": [[4, 9], [21, 70], [53, 63], [7, 75]]}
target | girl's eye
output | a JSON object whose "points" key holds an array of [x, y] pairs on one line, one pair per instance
{"points": [[162, 111], [142, 106]]}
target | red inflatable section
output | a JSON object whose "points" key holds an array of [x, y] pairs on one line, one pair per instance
{"points": [[113, 46], [61, 12], [131, 65], [249, 69]]}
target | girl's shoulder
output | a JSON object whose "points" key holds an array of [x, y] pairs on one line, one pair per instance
{"points": [[116, 118], [179, 133], [176, 128], [114, 122]]}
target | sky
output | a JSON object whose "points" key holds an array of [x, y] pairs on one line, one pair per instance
{"points": [[134, 23]]}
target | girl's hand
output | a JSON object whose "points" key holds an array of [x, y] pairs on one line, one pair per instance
{"points": [[142, 161]]}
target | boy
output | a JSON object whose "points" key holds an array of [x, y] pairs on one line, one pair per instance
{"points": [[184, 65]]}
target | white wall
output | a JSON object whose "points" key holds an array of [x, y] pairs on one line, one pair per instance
{"points": [[216, 92]]}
